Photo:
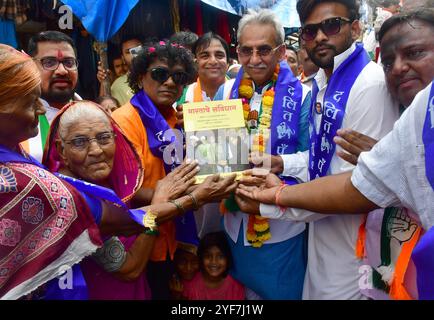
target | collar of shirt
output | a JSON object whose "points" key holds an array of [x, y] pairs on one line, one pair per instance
{"points": [[321, 78], [261, 90]]}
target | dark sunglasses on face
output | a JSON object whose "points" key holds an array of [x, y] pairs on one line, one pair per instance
{"points": [[330, 27], [52, 63], [161, 75], [262, 51]]}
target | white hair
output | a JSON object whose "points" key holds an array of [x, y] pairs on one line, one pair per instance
{"points": [[80, 111], [262, 16]]}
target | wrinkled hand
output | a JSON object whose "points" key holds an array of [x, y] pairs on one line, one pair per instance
{"points": [[353, 143], [102, 74], [267, 161], [215, 189], [180, 116], [247, 205], [175, 183]]}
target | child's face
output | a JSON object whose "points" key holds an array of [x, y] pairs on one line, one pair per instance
{"points": [[214, 262], [187, 264]]}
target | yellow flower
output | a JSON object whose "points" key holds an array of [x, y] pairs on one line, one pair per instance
{"points": [[245, 91], [264, 237], [251, 237], [261, 227], [264, 125], [257, 244], [266, 117], [267, 101]]}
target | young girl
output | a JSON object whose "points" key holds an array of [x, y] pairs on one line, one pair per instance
{"points": [[186, 267], [213, 281]]}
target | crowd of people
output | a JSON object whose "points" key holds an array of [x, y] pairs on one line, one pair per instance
{"points": [[98, 202]]}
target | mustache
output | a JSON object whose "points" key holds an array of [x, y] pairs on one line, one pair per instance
{"points": [[325, 46], [66, 79], [259, 66]]}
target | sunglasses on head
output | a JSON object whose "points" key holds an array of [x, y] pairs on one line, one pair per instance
{"points": [[329, 27], [162, 75]]}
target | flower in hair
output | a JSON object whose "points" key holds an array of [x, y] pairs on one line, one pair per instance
{"points": [[162, 43], [177, 45], [151, 49]]}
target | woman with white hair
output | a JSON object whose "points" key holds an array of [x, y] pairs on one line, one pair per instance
{"points": [[95, 151]]}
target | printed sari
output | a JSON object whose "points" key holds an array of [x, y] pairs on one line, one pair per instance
{"points": [[46, 226]]}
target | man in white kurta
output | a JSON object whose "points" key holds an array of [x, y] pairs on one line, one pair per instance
{"points": [[332, 268]]}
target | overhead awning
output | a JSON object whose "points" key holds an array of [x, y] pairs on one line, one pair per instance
{"points": [[284, 9]]}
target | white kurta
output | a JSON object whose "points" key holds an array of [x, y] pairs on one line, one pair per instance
{"points": [[333, 269]]}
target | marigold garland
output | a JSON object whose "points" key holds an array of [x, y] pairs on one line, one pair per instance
{"points": [[258, 228]]}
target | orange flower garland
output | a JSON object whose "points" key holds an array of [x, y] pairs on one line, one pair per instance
{"points": [[258, 228]]}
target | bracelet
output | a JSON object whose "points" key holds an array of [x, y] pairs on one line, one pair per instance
{"points": [[193, 199], [282, 186], [149, 220], [180, 208]]}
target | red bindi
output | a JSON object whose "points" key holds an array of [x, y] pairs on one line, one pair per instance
{"points": [[59, 54]]}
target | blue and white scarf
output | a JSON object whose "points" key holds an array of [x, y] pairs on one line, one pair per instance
{"points": [[423, 253], [161, 136], [336, 96], [285, 118]]}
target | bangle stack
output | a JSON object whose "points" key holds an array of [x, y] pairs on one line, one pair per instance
{"points": [[180, 208]]}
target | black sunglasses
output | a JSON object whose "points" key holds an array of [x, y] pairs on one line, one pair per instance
{"points": [[162, 74], [330, 27]]}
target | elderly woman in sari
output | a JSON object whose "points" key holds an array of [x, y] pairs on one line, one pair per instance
{"points": [[158, 75], [42, 219], [45, 223], [116, 270]]}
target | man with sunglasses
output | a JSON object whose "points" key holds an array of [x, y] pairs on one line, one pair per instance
{"points": [[407, 52], [55, 55], [349, 91], [275, 270]]}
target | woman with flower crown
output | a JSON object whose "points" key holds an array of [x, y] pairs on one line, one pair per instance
{"points": [[158, 75]]}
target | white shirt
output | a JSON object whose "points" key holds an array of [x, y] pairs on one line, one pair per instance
{"points": [[189, 95], [393, 172], [332, 268], [35, 147], [280, 230]]}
